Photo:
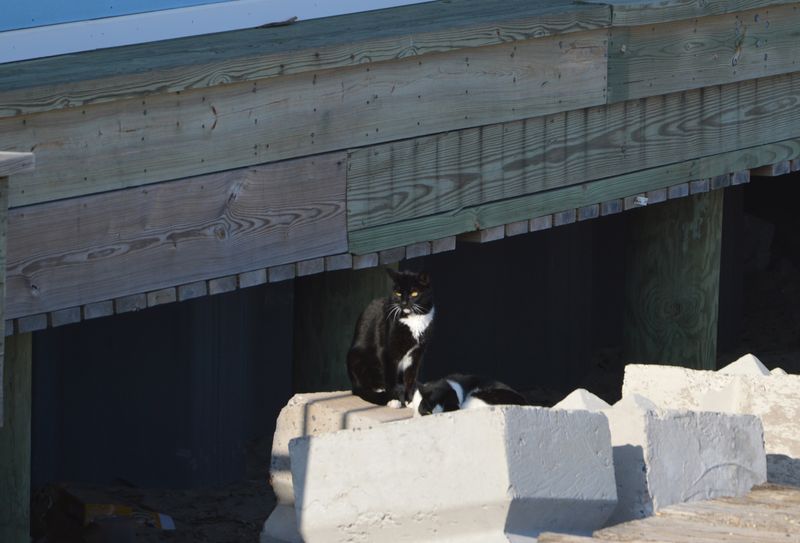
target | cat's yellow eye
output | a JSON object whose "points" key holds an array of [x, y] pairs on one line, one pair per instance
{"points": [[414, 293], [396, 294]]}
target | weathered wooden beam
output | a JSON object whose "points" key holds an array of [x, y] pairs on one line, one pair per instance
{"points": [[678, 191], [611, 207], [114, 145], [310, 267], [126, 304], [541, 223], [564, 217], [658, 59], [15, 441], [773, 170], [517, 228], [192, 290], [650, 12], [699, 185], [77, 252], [200, 62], [589, 212], [252, 278], [571, 197], [15, 163], [343, 261], [390, 256], [672, 282], [162, 296], [418, 249], [442, 245], [98, 309], [369, 260], [221, 285], [430, 175], [326, 309]]}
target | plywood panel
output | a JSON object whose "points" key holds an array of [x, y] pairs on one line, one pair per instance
{"points": [[14, 163], [658, 59], [452, 171], [169, 136], [206, 61], [102, 247], [571, 197]]}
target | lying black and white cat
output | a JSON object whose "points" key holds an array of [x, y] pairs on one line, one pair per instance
{"points": [[390, 340], [459, 391]]}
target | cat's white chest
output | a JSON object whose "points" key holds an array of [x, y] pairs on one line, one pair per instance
{"points": [[417, 324]]}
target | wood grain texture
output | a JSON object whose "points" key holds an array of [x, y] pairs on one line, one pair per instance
{"points": [[611, 207], [162, 296], [70, 315], [700, 185], [96, 248], [678, 191], [646, 12], [310, 267], [282, 273], [672, 282], [659, 59], [121, 144], [220, 285], [369, 260], [517, 228], [455, 170], [15, 440], [15, 163], [571, 197], [339, 262], [443, 245], [252, 278], [192, 290], [98, 309], [201, 62], [126, 304], [418, 249], [773, 170], [484, 235]]}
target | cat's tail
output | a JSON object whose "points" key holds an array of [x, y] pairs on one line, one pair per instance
{"points": [[378, 397]]}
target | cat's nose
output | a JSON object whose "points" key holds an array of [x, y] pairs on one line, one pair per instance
{"points": [[406, 311]]}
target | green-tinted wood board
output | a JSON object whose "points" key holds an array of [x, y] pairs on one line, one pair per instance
{"points": [[452, 171], [169, 136], [659, 59], [672, 282], [645, 12], [77, 80], [15, 441], [572, 197]]}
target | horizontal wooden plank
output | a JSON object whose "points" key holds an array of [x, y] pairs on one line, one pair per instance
{"points": [[61, 317], [572, 197], [126, 304], [169, 136], [647, 12], [192, 290], [446, 172], [659, 59], [98, 309], [343, 261], [651, 60], [443, 245], [15, 163], [101, 247], [205, 61], [252, 278], [221, 285]]}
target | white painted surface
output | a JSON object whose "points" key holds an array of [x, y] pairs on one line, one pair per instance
{"points": [[667, 457], [490, 475], [312, 414], [582, 399], [173, 23], [773, 398]]}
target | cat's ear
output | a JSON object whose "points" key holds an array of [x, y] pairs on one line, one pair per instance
{"points": [[392, 274], [424, 279]]}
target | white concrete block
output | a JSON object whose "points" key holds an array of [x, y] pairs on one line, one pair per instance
{"points": [[582, 399], [498, 474], [775, 399], [746, 365], [663, 457], [312, 414]]}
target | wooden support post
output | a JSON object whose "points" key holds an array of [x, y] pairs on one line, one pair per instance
{"points": [[672, 282], [326, 309], [15, 442]]}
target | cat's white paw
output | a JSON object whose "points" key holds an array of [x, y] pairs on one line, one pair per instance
{"points": [[394, 404]]}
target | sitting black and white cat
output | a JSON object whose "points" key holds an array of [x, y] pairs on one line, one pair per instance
{"points": [[390, 340], [459, 391]]}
